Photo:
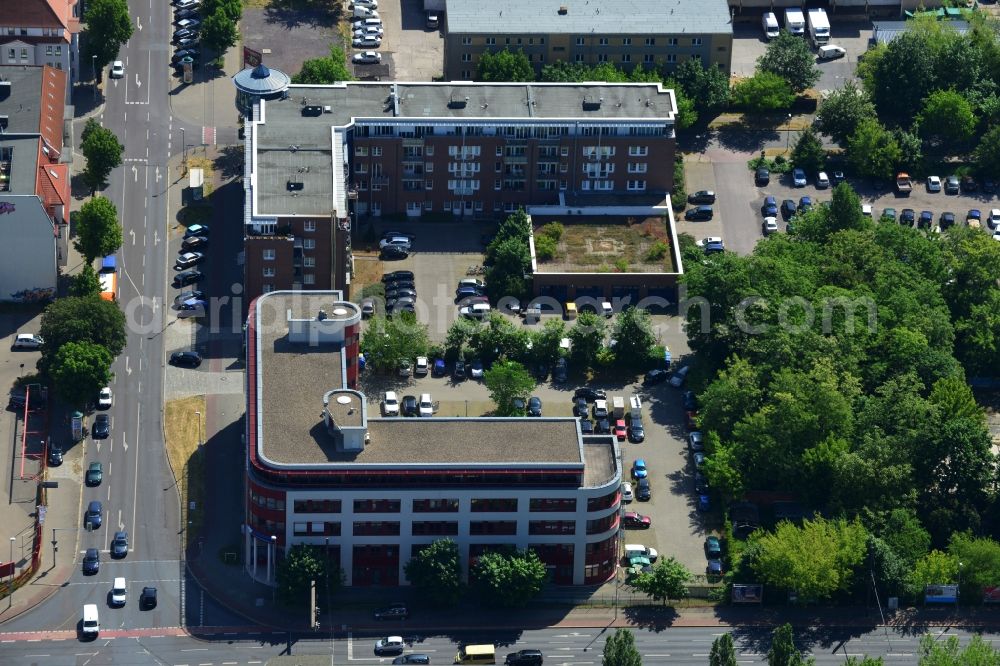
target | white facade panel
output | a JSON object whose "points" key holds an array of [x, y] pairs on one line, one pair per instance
{"points": [[28, 267]]}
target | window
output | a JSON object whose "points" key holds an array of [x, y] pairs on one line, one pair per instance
{"points": [[602, 57], [428, 184], [696, 57], [626, 41], [499, 151], [552, 527], [361, 151], [647, 59], [494, 505], [429, 167], [541, 40], [268, 271], [376, 151], [579, 57], [466, 41], [506, 41], [479, 206], [48, 49], [562, 184], [671, 41], [266, 288], [309, 243], [447, 206], [58, 50], [637, 167], [24, 54], [491, 41], [428, 206], [413, 206], [696, 41], [309, 262], [531, 41], [309, 225], [496, 184], [308, 278], [548, 504], [376, 528], [564, 151], [493, 527], [671, 57], [376, 506], [603, 41], [580, 41], [12, 53], [435, 506], [636, 185], [466, 57], [268, 254], [626, 57], [434, 528], [650, 41], [316, 506], [518, 41], [466, 74]]}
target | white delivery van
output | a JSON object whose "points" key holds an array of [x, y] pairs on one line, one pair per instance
{"points": [[770, 25], [795, 22], [618, 406], [91, 623], [819, 27]]}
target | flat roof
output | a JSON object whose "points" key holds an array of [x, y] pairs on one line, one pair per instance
{"points": [[21, 98], [293, 378], [23, 163], [602, 17]]}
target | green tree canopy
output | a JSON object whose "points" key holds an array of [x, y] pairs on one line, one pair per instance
{"points": [[386, 343], [816, 560], [987, 153], [504, 65], [762, 92], [620, 650], [723, 651], [506, 381], [499, 338], [436, 571], [668, 580], [934, 568], [545, 342], [85, 283], [108, 26], [899, 76], [232, 8], [218, 30], [509, 580], [79, 370], [633, 333], [301, 565], [707, 86], [103, 152], [842, 110], [98, 231], [790, 58], [946, 119], [783, 651], [317, 71], [873, 151], [809, 153], [980, 558], [937, 651], [587, 337], [74, 319]]}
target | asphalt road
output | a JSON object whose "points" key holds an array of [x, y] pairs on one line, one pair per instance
{"points": [[137, 489], [566, 647]]}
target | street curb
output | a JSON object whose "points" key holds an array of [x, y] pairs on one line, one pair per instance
{"points": [[44, 596]]}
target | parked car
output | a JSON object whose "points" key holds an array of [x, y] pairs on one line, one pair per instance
{"points": [[412, 658], [534, 406], [185, 278], [951, 185], [590, 394], [889, 214], [459, 373], [702, 197], [627, 493], [643, 491], [188, 259], [713, 548], [367, 58], [762, 176], [390, 404], [677, 380], [799, 178], [700, 483], [822, 180], [636, 433], [933, 184], [189, 23], [524, 658], [366, 43], [653, 377], [701, 213], [197, 230], [426, 406], [635, 520], [994, 219], [194, 242], [602, 426], [389, 645], [396, 611], [969, 184], [695, 441], [769, 226], [838, 177], [396, 276], [561, 371], [28, 341], [639, 469], [586, 427], [690, 400], [439, 369], [805, 203], [925, 219], [191, 359], [55, 455], [393, 252], [105, 398], [907, 216], [600, 410], [410, 406], [974, 218], [770, 207], [946, 220]]}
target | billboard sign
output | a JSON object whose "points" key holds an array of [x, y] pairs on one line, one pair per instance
{"points": [[991, 594], [251, 58], [941, 594], [748, 594]]}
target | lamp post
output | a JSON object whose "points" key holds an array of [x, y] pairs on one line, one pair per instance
{"points": [[184, 154], [958, 595], [10, 590], [274, 566], [93, 69], [788, 130], [198, 414]]}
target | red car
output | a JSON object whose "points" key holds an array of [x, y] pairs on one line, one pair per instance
{"points": [[691, 420], [620, 430], [636, 520]]}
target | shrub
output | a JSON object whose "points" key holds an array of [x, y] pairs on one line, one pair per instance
{"points": [[678, 197], [545, 248], [657, 251], [621, 265], [553, 230]]}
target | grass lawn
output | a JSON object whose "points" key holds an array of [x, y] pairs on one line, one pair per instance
{"points": [[368, 269], [181, 431], [597, 246]]}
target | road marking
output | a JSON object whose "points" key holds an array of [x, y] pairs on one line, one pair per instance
{"points": [[194, 650]]}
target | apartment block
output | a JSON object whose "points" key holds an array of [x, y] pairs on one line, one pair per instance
{"points": [[649, 33], [42, 32]]}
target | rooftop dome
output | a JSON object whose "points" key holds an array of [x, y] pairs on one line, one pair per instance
{"points": [[261, 80]]}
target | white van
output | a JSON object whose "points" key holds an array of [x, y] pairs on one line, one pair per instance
{"points": [[91, 623], [770, 25], [638, 550], [119, 592]]}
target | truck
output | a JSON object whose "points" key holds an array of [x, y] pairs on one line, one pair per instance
{"points": [[109, 278], [903, 183], [769, 22], [819, 27], [795, 22]]}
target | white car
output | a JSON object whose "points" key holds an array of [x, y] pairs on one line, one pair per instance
{"points": [[831, 52], [390, 404], [770, 225], [119, 592], [390, 645], [710, 239], [401, 241], [822, 180], [866, 210], [104, 398], [370, 4], [369, 31], [28, 341], [996, 235], [422, 366], [933, 184], [367, 58], [366, 42], [117, 69], [426, 406], [627, 494], [994, 219]]}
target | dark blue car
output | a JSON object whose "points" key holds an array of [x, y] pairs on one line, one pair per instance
{"points": [[770, 207]]}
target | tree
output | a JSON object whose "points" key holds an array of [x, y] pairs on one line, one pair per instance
{"points": [[436, 571], [506, 275], [790, 58], [987, 153], [845, 210], [232, 8], [980, 558], [938, 651], [510, 580], [218, 31], [934, 568], [946, 119], [302, 565], [864, 661], [872, 150], [842, 111], [587, 337], [318, 71], [103, 152], [506, 381], [98, 232], [808, 152], [79, 370], [816, 560], [109, 25], [783, 651], [620, 650], [899, 76], [74, 319], [504, 65], [91, 126], [85, 283], [668, 580], [723, 651], [762, 92], [634, 338], [545, 343], [459, 334], [907, 537], [911, 149], [708, 85], [386, 343]]}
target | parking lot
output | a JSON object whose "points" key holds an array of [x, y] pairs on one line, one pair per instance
{"points": [[410, 51]]}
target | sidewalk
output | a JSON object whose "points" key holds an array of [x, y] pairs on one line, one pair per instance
{"points": [[209, 101]]}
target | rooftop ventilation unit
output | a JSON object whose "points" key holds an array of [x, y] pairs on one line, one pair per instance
{"points": [[295, 186], [328, 109], [458, 103], [563, 10], [312, 110], [4, 121], [590, 105]]}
